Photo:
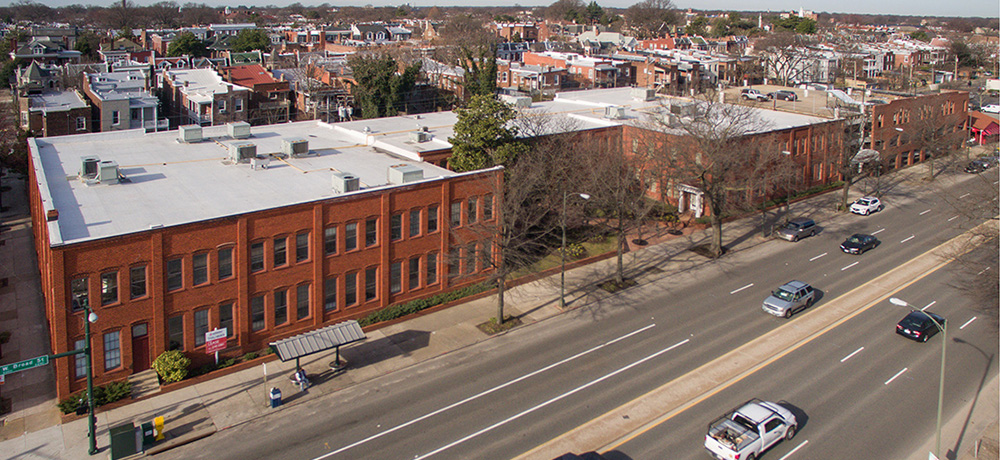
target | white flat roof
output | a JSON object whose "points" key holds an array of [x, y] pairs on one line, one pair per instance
{"points": [[202, 84], [170, 183]]}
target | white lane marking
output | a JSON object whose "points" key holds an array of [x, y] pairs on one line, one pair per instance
{"points": [[876, 232], [817, 257], [740, 289], [925, 212], [546, 403], [963, 196], [928, 305], [908, 239], [789, 454], [897, 375], [967, 323], [849, 266], [982, 271], [997, 182], [953, 218], [852, 354], [484, 393]]}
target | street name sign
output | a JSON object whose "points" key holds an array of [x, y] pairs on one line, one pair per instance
{"points": [[24, 365]]}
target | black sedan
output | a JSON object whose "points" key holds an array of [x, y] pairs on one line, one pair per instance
{"points": [[858, 243], [918, 325]]}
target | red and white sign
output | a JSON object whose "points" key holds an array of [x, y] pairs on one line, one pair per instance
{"points": [[215, 340]]}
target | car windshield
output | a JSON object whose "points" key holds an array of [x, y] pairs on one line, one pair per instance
{"points": [[784, 295]]}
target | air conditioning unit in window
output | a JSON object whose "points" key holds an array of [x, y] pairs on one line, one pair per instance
{"points": [[242, 152]]}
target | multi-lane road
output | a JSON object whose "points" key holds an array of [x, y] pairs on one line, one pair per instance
{"points": [[502, 397]]}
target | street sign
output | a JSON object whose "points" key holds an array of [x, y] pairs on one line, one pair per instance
{"points": [[215, 340], [24, 365]]}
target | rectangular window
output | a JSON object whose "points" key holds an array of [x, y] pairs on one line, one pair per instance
{"points": [[200, 327], [257, 256], [488, 207], [280, 307], [395, 277], [469, 264], [350, 288], [302, 247], [137, 281], [222, 105], [80, 368], [257, 313], [483, 250], [79, 294], [432, 219], [330, 293], [414, 273], [239, 105], [454, 262], [199, 268], [456, 214], [226, 318], [280, 256], [371, 232], [115, 117], [330, 240], [81, 123], [175, 333], [112, 350], [414, 223], [109, 288], [432, 268], [396, 227], [472, 210], [371, 284], [175, 274], [225, 263], [302, 301], [351, 237]]}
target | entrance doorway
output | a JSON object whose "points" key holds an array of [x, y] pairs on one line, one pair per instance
{"points": [[140, 348]]}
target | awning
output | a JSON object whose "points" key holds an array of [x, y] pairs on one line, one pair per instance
{"points": [[319, 340]]}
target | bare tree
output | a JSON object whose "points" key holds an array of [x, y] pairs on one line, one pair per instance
{"points": [[785, 55], [652, 17], [934, 134]]}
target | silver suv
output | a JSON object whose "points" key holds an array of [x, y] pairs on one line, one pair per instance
{"points": [[789, 298], [797, 229]]}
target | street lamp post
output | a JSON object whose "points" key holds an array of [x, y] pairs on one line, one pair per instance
{"points": [[944, 342], [91, 317], [562, 249]]}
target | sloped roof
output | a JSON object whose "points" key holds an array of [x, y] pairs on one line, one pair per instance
{"points": [[250, 75]]}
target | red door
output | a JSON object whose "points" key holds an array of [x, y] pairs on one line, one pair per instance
{"points": [[140, 348]]}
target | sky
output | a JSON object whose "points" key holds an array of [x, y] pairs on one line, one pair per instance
{"points": [[963, 8]]}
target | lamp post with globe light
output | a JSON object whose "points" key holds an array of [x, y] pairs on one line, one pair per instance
{"points": [[944, 342]]}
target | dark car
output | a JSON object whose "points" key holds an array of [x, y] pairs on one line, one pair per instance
{"points": [[784, 95], [980, 165], [858, 243], [918, 325]]}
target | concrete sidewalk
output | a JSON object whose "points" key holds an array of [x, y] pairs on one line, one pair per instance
{"points": [[32, 429]]}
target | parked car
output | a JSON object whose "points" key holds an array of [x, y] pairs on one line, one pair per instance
{"points": [[990, 108], [866, 205], [789, 298], [750, 93], [981, 164], [918, 325], [797, 229], [858, 243], [784, 95], [749, 430]]}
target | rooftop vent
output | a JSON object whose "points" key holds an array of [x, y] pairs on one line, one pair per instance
{"points": [[615, 112], [643, 94], [420, 136], [239, 130], [520, 102], [108, 172], [295, 146], [344, 182], [189, 134], [88, 167], [404, 173], [242, 152]]}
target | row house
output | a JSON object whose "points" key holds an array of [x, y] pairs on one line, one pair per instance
{"points": [[269, 97], [232, 30], [353, 230], [517, 32], [581, 71], [201, 97], [511, 51], [450, 78], [44, 51], [36, 78], [54, 113], [122, 100], [528, 78], [319, 91], [595, 42], [378, 33]]}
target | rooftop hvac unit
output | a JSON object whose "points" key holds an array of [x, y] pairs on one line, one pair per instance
{"points": [[615, 112], [88, 167], [259, 163], [420, 136], [401, 174], [189, 134], [108, 173], [520, 102], [643, 94], [242, 152], [345, 182], [295, 146], [239, 130]]}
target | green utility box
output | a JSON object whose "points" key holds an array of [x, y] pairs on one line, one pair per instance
{"points": [[148, 435], [123, 441]]}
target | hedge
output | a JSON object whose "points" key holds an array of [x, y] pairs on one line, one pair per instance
{"points": [[413, 306], [105, 394]]}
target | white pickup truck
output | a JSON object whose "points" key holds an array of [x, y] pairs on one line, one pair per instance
{"points": [[748, 430]]}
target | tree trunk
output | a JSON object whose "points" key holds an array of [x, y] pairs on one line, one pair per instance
{"points": [[501, 287], [620, 272], [930, 167], [844, 195], [716, 235]]}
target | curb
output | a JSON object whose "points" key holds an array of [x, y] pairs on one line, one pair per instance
{"points": [[181, 440]]}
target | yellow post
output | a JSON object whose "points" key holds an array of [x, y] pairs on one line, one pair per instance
{"points": [[158, 426]]}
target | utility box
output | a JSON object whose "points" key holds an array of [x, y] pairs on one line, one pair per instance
{"points": [[148, 435], [239, 130], [123, 441]]}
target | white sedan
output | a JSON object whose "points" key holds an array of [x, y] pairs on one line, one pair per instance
{"points": [[866, 205], [991, 108]]}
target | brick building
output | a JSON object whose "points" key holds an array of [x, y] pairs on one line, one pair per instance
{"points": [[54, 113], [269, 97], [897, 126], [176, 238], [201, 97]]}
